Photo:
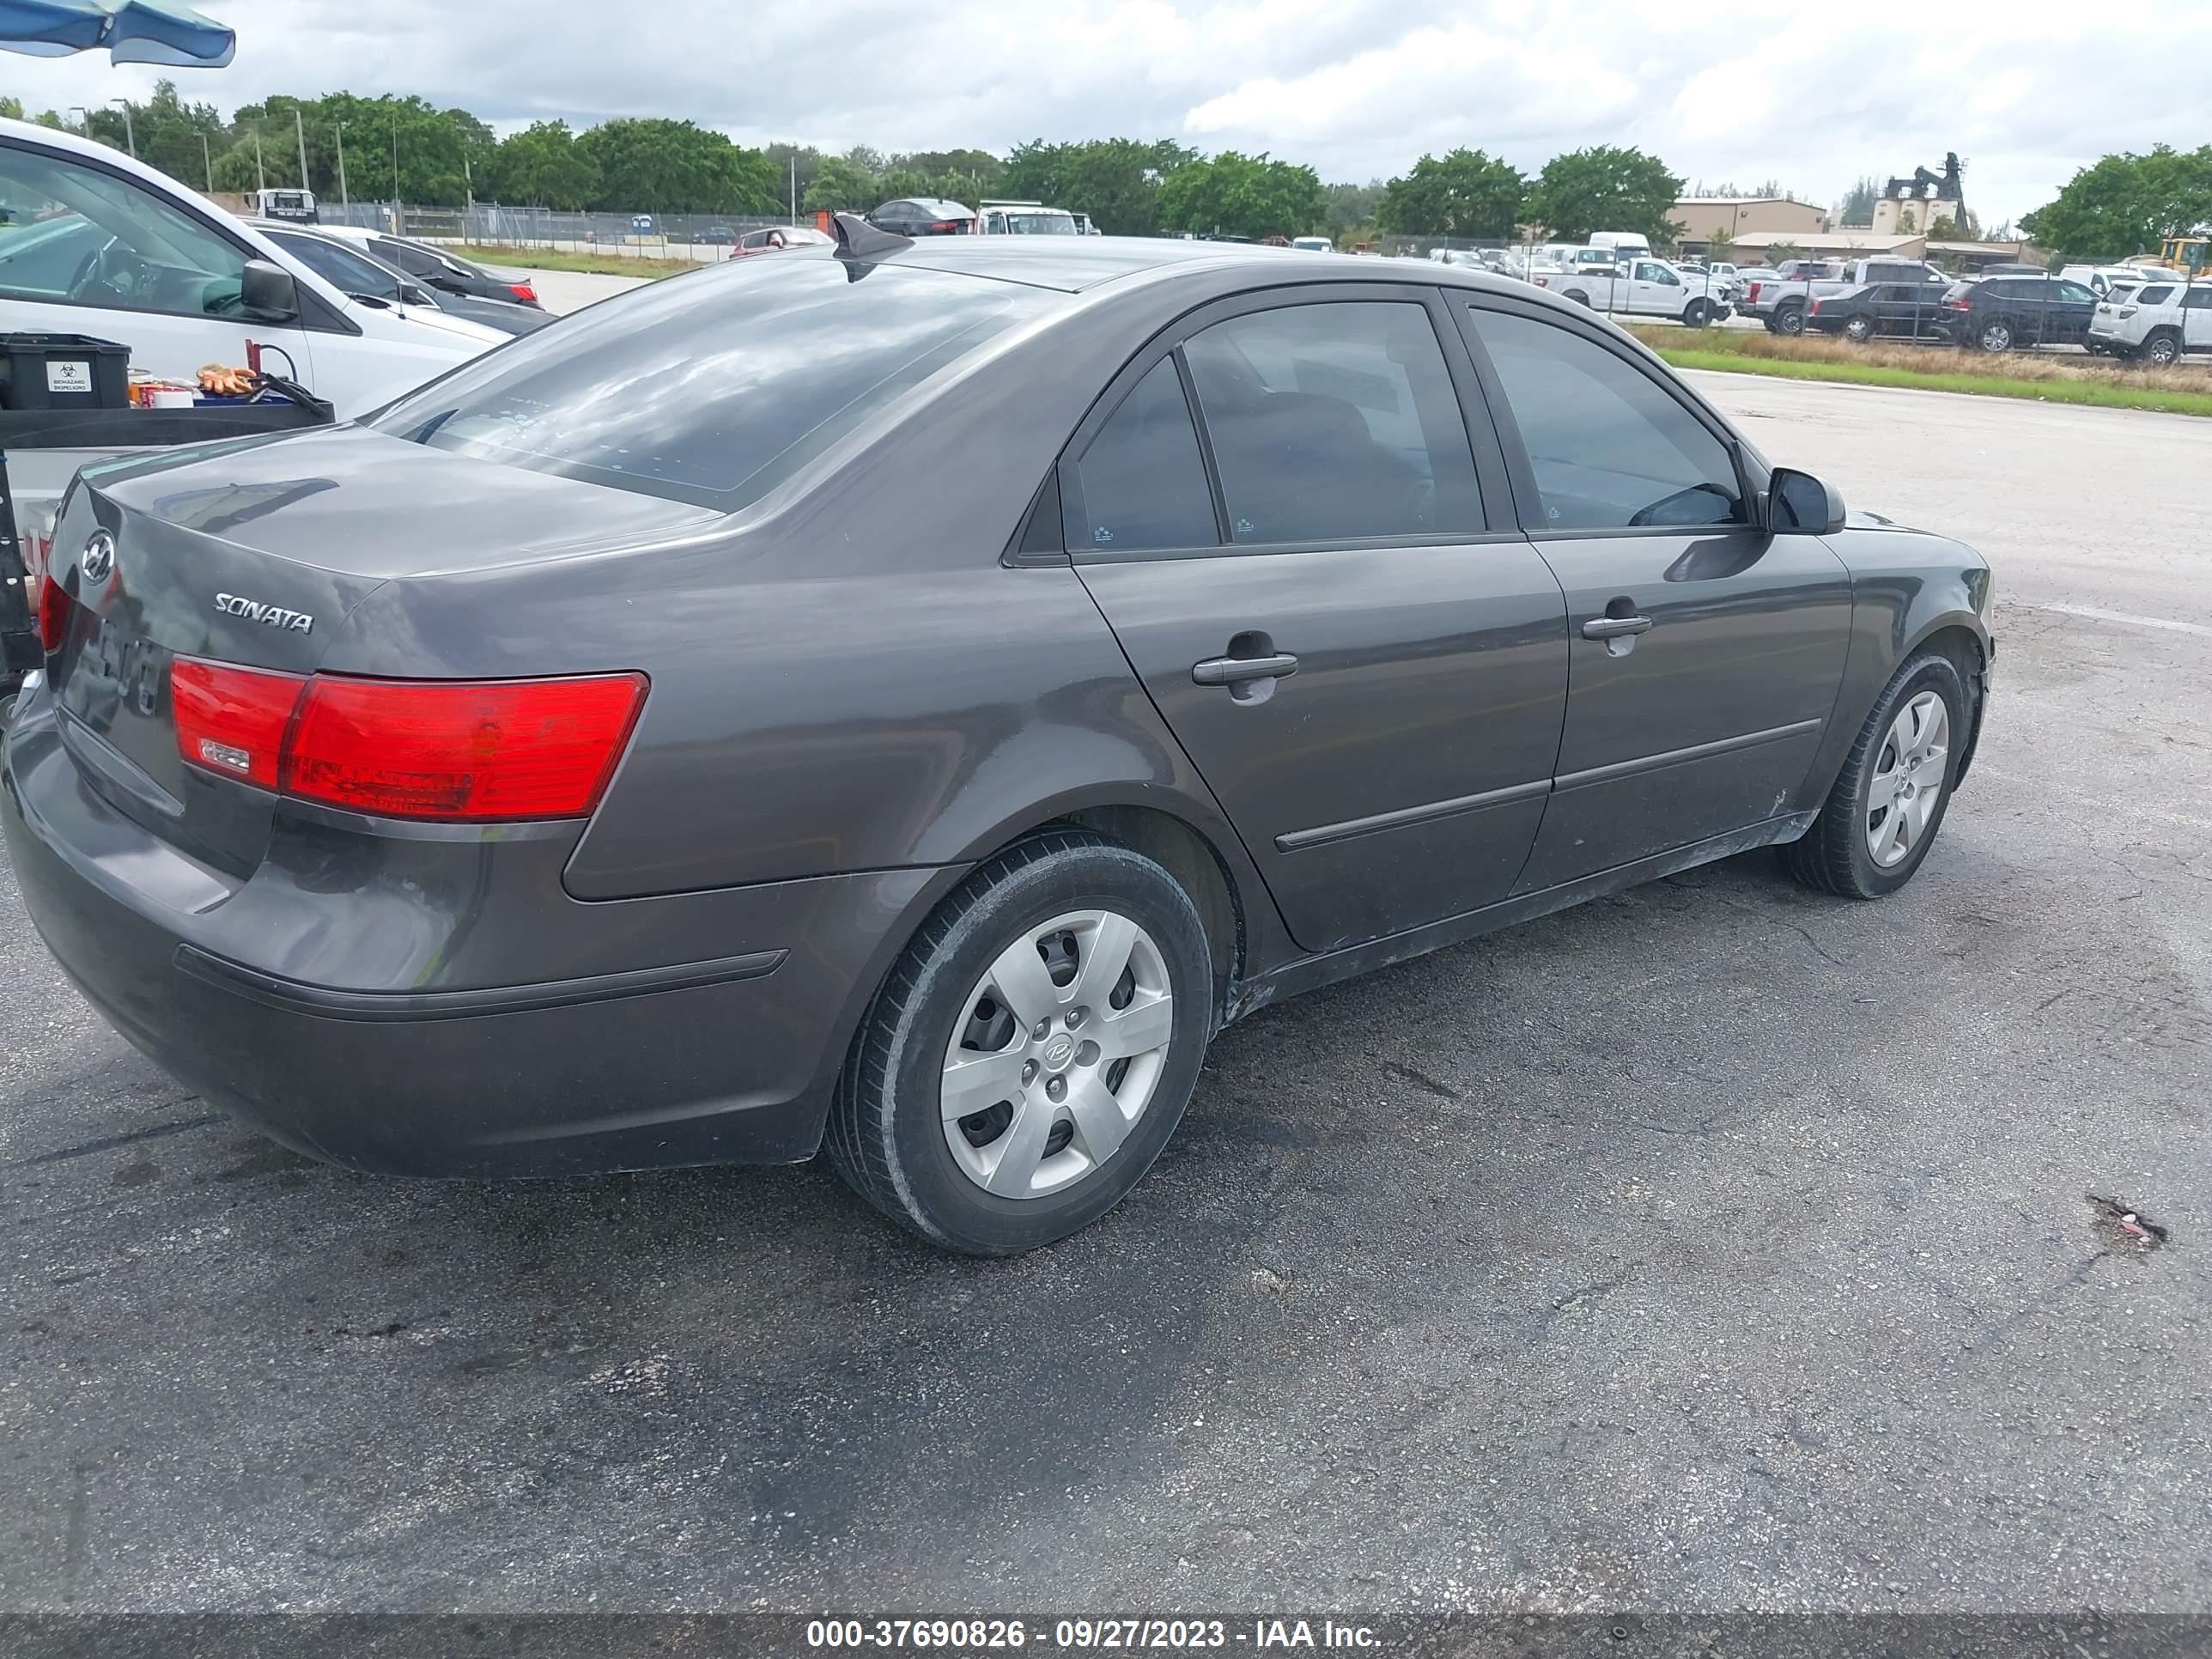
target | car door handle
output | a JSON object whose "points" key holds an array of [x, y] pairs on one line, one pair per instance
{"points": [[1614, 627], [1236, 671]]}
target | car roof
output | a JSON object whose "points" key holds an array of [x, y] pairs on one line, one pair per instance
{"points": [[1075, 263]]}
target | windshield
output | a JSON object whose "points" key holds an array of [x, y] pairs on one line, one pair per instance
{"points": [[714, 387]]}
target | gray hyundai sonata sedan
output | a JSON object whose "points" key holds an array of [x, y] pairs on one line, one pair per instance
{"points": [[902, 698]]}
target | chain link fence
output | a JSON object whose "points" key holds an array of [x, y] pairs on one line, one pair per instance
{"points": [[700, 237]]}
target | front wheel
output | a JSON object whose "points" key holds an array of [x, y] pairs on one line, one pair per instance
{"points": [[1882, 816], [1694, 314], [1032, 1052]]}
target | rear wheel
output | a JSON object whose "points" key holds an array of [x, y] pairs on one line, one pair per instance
{"points": [[2160, 350], [1789, 319], [1033, 1050], [1995, 335], [1882, 816], [1860, 330]]}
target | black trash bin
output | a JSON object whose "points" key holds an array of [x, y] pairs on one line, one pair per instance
{"points": [[63, 371]]}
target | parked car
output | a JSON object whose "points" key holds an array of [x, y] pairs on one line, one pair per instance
{"points": [[110, 247], [1911, 310], [1313, 244], [924, 216], [777, 238], [431, 846], [359, 276], [1641, 288], [439, 268], [1783, 301], [2156, 323], [2099, 279], [716, 236], [2011, 313]]}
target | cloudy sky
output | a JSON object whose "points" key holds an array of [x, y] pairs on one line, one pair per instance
{"points": [[2025, 90]]}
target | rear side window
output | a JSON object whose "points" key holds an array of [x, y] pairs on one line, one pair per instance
{"points": [[413, 261], [2197, 299], [2156, 295], [712, 387], [1333, 423], [1143, 483], [1610, 448]]}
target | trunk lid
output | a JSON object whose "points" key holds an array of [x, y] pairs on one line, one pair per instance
{"points": [[255, 555]]}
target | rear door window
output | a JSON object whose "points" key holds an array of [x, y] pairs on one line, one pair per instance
{"points": [[712, 387], [1334, 422], [2197, 299], [1143, 482], [1610, 448]]}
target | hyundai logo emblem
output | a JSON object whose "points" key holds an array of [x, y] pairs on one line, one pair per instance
{"points": [[97, 562]]}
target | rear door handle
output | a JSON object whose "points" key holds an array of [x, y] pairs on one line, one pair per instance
{"points": [[1236, 671], [1614, 627]]}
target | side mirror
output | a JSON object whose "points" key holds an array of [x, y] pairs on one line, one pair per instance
{"points": [[451, 284], [269, 291], [1797, 503]]}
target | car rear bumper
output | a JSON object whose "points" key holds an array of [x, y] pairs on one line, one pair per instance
{"points": [[724, 1054]]}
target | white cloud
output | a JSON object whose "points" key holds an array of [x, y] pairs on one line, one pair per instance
{"points": [[2026, 92]]}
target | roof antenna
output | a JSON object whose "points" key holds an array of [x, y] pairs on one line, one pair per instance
{"points": [[859, 240]]}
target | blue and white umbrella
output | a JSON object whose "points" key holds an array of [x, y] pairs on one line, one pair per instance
{"points": [[128, 31]]}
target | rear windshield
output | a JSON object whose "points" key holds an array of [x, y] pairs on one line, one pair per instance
{"points": [[712, 388]]}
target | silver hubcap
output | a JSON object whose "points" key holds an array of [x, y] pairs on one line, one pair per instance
{"points": [[1908, 779], [1056, 1055]]}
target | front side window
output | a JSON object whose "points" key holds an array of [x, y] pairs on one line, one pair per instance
{"points": [[1143, 481], [1610, 448], [1659, 274], [72, 234], [712, 387], [412, 260], [1334, 422], [345, 270]]}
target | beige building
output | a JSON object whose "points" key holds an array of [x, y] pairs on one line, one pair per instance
{"points": [[1757, 247], [1708, 219]]}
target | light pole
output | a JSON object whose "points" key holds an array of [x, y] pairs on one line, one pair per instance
{"points": [[85, 125], [299, 132], [207, 162], [345, 202], [130, 137]]}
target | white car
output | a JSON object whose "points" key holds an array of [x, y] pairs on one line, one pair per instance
{"points": [[94, 243], [1313, 245], [2100, 278], [1639, 288], [2156, 323]]}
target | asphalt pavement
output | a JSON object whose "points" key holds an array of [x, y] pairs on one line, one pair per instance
{"points": [[1715, 1245]]}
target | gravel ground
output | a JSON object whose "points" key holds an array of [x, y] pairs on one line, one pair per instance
{"points": [[1715, 1245]]}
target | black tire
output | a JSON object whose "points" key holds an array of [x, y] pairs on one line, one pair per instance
{"points": [[1859, 330], [884, 1136], [1994, 335], [2162, 349], [1789, 319], [1579, 297], [1694, 314], [1832, 856]]}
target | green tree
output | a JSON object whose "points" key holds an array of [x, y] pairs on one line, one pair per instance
{"points": [[2124, 203], [1857, 206], [790, 161], [658, 165], [839, 184], [1604, 188], [1236, 195], [1349, 208], [1115, 180], [1463, 193], [965, 175], [167, 131], [543, 166]]}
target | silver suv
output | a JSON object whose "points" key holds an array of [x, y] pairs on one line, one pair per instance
{"points": [[2157, 323]]}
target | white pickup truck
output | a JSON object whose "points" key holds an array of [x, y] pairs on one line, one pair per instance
{"points": [[1641, 287]]}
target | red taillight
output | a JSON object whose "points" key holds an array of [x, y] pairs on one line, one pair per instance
{"points": [[946, 227], [482, 750], [233, 721], [53, 615], [522, 291], [1751, 292], [1814, 310], [472, 750]]}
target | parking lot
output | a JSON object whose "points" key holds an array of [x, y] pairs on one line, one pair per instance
{"points": [[1713, 1245]]}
